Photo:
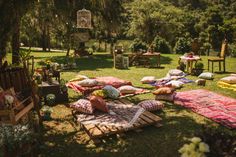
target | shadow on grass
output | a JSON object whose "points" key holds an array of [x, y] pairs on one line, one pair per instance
{"points": [[166, 60], [60, 142], [92, 63]]}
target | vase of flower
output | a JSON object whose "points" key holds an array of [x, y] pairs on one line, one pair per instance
{"points": [[46, 112]]}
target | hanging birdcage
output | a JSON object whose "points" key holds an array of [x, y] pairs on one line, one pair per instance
{"points": [[84, 19]]}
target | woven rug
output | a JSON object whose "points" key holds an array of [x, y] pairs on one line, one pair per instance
{"points": [[120, 115], [214, 106]]}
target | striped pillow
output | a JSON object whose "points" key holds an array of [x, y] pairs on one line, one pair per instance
{"points": [[82, 105], [151, 105]]}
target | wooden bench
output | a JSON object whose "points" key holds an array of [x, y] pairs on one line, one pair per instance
{"points": [[19, 79]]}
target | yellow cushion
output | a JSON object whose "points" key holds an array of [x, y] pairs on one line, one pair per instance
{"points": [[226, 85]]}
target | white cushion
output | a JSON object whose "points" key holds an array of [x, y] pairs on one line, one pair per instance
{"points": [[88, 83], [175, 84], [229, 79], [148, 79], [176, 72], [127, 89], [206, 75]]}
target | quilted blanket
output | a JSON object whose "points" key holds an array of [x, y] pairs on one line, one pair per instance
{"points": [[120, 115], [214, 106]]}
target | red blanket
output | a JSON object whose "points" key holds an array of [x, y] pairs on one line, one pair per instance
{"points": [[109, 80], [216, 107]]}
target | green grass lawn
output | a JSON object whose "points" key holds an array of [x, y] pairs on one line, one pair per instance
{"points": [[63, 138]]}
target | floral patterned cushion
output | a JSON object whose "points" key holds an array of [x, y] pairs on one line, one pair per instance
{"points": [[112, 92], [151, 105], [102, 93], [82, 105]]}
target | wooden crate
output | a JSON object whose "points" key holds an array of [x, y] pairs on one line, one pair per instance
{"points": [[13, 116], [98, 131]]}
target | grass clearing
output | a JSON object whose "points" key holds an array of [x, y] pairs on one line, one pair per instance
{"points": [[63, 138]]}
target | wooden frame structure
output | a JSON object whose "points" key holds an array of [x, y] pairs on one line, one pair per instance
{"points": [[95, 132], [13, 116]]}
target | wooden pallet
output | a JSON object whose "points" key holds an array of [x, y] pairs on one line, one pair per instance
{"points": [[98, 131]]}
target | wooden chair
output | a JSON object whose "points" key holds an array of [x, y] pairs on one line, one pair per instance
{"points": [[219, 59]]}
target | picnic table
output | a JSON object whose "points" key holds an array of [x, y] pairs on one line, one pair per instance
{"points": [[139, 56], [189, 61]]}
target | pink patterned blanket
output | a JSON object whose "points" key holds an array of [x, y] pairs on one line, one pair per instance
{"points": [[214, 106], [108, 80]]}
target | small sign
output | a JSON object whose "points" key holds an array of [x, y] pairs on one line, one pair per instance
{"points": [[84, 19]]}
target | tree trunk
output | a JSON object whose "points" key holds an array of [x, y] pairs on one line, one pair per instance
{"points": [[48, 39], [105, 46], [2, 51], [68, 52], [99, 45], [44, 38], [16, 39], [111, 47]]}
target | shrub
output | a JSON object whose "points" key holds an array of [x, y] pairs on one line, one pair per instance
{"points": [[220, 143], [199, 65], [161, 45], [232, 50], [137, 45], [182, 46]]}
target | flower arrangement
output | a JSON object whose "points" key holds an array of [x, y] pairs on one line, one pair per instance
{"points": [[15, 136], [196, 148], [9, 100], [46, 112], [50, 99], [38, 77]]}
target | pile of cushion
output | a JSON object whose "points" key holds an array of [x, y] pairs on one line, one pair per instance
{"points": [[89, 106], [165, 93], [175, 74]]}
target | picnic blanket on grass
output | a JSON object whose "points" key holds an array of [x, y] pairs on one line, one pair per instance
{"points": [[214, 106], [226, 85], [108, 80], [120, 115]]}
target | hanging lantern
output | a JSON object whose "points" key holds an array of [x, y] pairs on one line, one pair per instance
{"points": [[84, 19]]}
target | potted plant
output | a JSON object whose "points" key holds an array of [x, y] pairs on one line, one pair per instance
{"points": [[46, 112], [16, 140], [50, 99], [198, 69]]}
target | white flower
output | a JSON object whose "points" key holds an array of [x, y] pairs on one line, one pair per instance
{"points": [[196, 140], [184, 148], [185, 155], [203, 147], [9, 99]]}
